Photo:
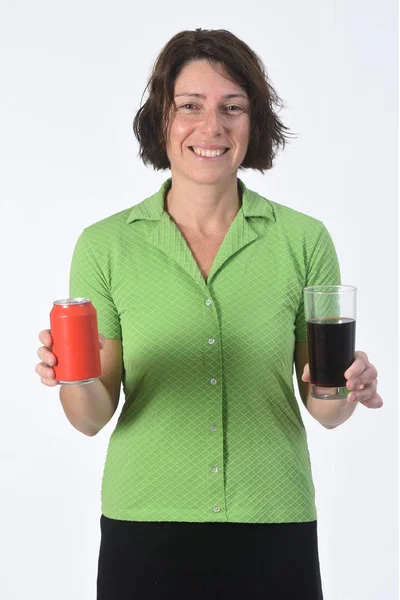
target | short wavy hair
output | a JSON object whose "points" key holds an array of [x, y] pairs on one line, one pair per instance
{"points": [[218, 46]]}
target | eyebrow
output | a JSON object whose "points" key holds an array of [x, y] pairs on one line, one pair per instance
{"points": [[226, 97]]}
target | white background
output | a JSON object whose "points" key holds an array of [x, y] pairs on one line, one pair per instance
{"points": [[72, 77]]}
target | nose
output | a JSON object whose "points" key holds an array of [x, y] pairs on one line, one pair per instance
{"points": [[212, 122]]}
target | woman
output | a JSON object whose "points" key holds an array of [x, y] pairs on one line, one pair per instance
{"points": [[207, 488]]}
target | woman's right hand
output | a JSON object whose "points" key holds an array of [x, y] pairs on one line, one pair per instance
{"points": [[45, 368]]}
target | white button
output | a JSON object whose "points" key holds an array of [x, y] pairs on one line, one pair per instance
{"points": [[208, 302], [213, 381], [215, 469], [213, 427], [211, 341], [216, 509]]}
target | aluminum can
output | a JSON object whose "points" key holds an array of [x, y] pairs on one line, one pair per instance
{"points": [[73, 324]]}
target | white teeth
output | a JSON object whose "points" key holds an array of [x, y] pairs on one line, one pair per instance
{"points": [[209, 153]]}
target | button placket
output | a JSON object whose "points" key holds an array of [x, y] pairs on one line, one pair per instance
{"points": [[213, 401]]}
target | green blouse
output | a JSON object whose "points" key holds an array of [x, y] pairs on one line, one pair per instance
{"points": [[210, 429]]}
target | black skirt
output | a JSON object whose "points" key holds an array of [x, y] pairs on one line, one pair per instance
{"points": [[208, 561]]}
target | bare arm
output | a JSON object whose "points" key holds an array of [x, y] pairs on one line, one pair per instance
{"points": [[87, 407], [90, 407], [330, 413]]}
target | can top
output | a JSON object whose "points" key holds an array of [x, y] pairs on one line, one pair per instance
{"points": [[69, 301]]}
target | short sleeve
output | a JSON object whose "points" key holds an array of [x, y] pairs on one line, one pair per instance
{"points": [[90, 278], [322, 269]]}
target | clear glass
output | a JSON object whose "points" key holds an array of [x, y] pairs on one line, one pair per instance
{"points": [[330, 312]]}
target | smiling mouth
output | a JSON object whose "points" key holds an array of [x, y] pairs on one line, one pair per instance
{"points": [[209, 157]]}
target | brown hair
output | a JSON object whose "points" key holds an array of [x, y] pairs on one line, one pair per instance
{"points": [[150, 124]]}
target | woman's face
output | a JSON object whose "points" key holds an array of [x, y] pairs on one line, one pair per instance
{"points": [[204, 116]]}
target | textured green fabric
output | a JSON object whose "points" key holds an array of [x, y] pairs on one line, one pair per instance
{"points": [[210, 429]]}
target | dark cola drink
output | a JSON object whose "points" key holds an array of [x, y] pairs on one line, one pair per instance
{"points": [[331, 347]]}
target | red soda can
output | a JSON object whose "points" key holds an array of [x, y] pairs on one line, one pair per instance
{"points": [[73, 324]]}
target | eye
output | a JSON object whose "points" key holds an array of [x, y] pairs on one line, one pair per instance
{"points": [[231, 108]]}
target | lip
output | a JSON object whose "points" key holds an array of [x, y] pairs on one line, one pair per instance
{"points": [[208, 158], [211, 147]]}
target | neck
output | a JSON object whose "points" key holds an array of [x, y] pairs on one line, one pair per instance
{"points": [[203, 209]]}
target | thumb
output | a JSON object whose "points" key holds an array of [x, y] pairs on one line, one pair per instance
{"points": [[102, 340], [306, 373]]}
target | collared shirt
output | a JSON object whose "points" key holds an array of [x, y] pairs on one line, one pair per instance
{"points": [[210, 429]]}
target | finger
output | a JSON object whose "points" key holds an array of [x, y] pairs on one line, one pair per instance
{"points": [[358, 366], [366, 378], [44, 371], [306, 373], [49, 382], [46, 356], [102, 340], [365, 394], [375, 402], [45, 338]]}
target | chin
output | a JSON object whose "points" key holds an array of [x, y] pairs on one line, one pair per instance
{"points": [[202, 176], [208, 178]]}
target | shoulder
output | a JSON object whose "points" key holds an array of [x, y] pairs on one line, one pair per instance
{"points": [[301, 234], [301, 228], [109, 226], [282, 216], [109, 235], [102, 240], [125, 224], [295, 228], [290, 218]]}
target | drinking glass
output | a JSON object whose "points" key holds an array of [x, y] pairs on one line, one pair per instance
{"points": [[330, 312]]}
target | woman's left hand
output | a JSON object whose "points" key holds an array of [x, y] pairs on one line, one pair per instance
{"points": [[362, 378]]}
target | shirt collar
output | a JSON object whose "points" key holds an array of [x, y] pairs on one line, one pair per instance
{"points": [[152, 208]]}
